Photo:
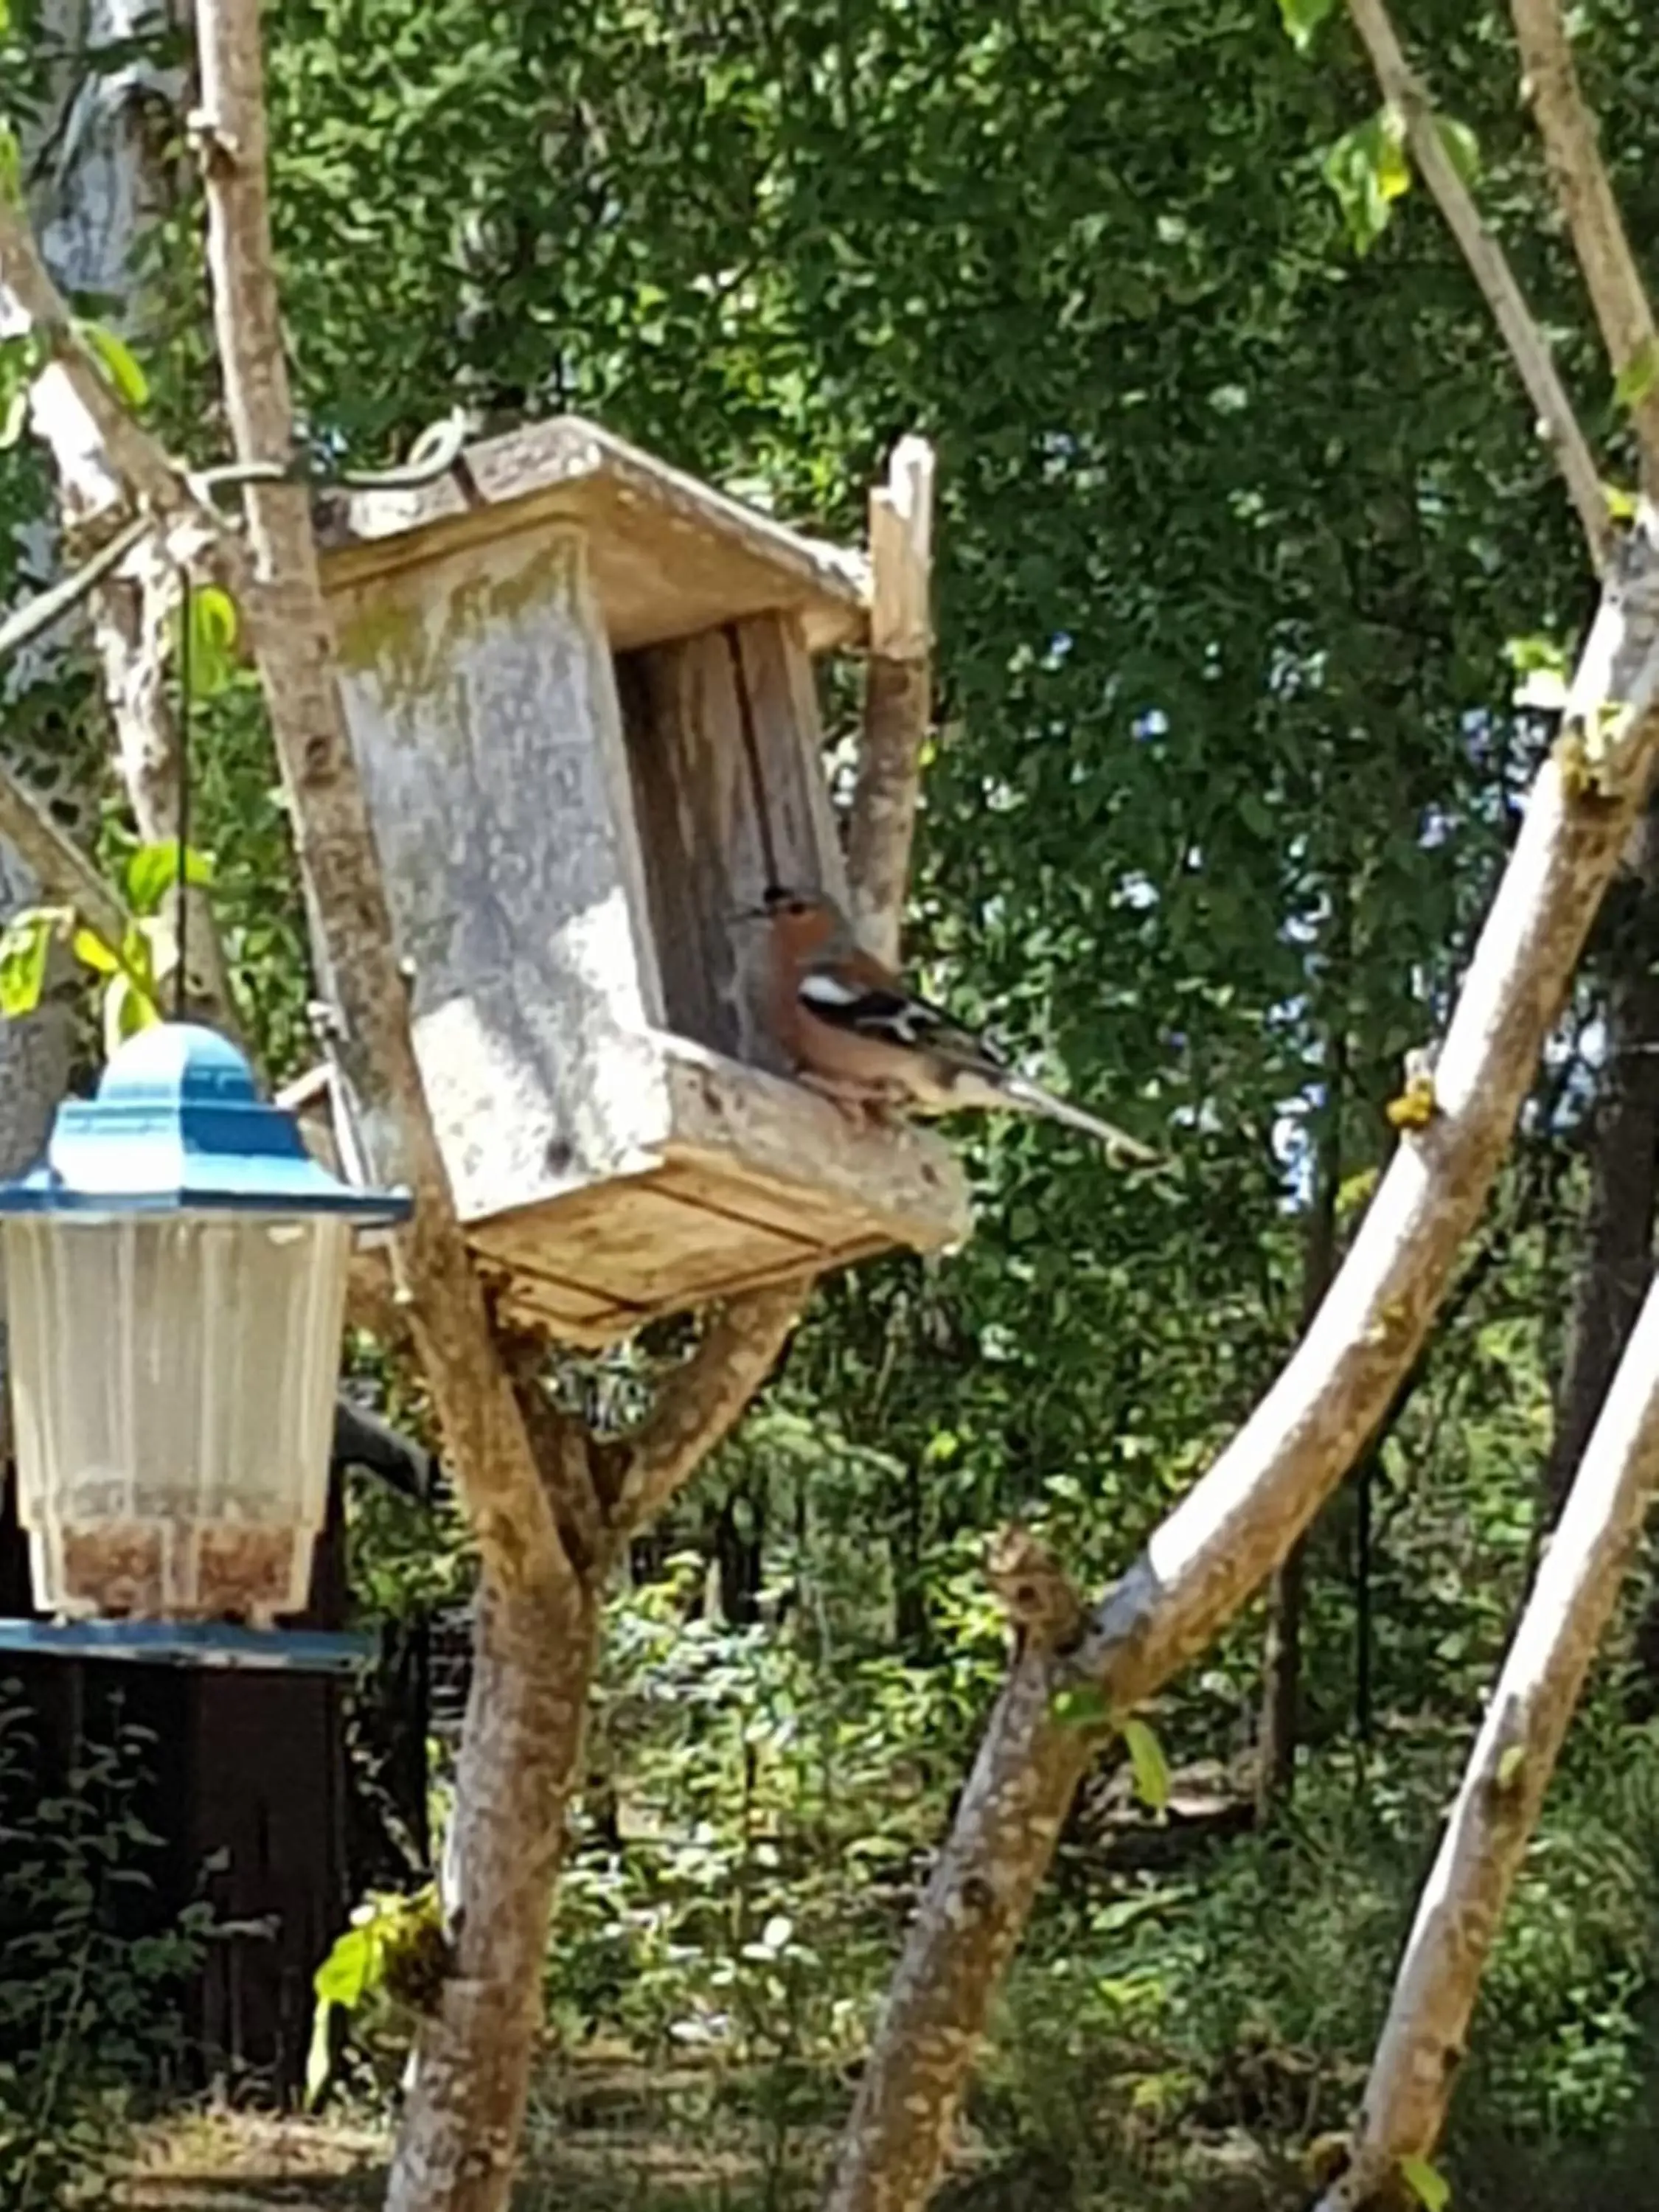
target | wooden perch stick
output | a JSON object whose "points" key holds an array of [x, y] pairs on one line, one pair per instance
{"points": [[1582, 184], [897, 697], [1529, 350], [1229, 1534], [1508, 1772]]}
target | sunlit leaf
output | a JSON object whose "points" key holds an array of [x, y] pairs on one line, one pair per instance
{"points": [[11, 166], [1147, 1760], [346, 1973], [115, 357], [153, 869], [1426, 2183], [212, 632], [1302, 18], [25, 948], [90, 950]]}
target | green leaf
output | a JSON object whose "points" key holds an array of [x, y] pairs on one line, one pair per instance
{"points": [[1084, 1707], [1463, 148], [1368, 171], [1151, 1769], [1426, 2183], [153, 869], [1639, 375], [1302, 18], [348, 1970], [126, 1011], [115, 358], [1621, 504], [213, 633], [11, 166], [24, 946], [1511, 1765], [90, 950]]}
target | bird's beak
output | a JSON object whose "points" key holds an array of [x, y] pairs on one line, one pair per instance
{"points": [[749, 914]]}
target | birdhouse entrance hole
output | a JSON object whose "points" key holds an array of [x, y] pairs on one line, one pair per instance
{"points": [[581, 695]]}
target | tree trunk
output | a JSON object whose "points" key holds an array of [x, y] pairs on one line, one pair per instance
{"points": [[1238, 1525], [1624, 1150], [532, 1669], [1481, 1852]]}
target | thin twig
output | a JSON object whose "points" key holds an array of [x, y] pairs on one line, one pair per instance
{"points": [[38, 614], [1529, 350], [1585, 192]]}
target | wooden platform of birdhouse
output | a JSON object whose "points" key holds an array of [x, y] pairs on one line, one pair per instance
{"points": [[580, 690]]}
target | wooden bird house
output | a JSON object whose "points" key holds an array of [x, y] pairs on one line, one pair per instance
{"points": [[581, 694]]}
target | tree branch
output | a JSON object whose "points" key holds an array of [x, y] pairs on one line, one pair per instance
{"points": [[488, 1447], [1228, 1534], [897, 697], [65, 874], [1570, 142], [700, 1405], [1508, 1772], [1403, 90]]}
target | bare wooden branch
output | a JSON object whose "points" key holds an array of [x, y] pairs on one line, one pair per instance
{"points": [[704, 1401], [1230, 1533], [897, 697], [1529, 350], [1509, 1771], [484, 1432], [65, 874], [1611, 275]]}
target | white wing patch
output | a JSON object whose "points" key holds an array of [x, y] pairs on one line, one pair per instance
{"points": [[820, 988]]}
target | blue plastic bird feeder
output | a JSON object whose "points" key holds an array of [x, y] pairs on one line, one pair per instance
{"points": [[176, 1269]]}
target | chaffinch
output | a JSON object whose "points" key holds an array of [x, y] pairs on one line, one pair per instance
{"points": [[855, 1032]]}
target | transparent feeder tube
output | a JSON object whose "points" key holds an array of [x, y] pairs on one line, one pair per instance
{"points": [[173, 1388]]}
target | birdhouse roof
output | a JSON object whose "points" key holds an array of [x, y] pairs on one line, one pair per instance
{"points": [[669, 557]]}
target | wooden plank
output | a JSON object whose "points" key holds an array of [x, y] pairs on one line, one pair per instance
{"points": [[484, 715], [630, 1242], [684, 754], [782, 700], [672, 557], [904, 1180], [795, 1210]]}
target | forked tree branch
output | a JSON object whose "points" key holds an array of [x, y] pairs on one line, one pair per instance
{"points": [[1504, 1784], [1614, 283], [1228, 1534], [1403, 90], [897, 697], [700, 1405]]}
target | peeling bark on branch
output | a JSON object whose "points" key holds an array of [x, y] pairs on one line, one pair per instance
{"points": [[1509, 1771], [1617, 292], [1230, 1533], [1529, 348], [897, 697]]}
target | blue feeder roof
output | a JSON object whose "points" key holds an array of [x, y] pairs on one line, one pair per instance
{"points": [[176, 1127]]}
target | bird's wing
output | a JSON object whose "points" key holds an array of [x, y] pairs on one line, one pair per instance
{"points": [[886, 1014]]}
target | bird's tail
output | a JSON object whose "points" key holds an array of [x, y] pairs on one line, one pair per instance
{"points": [[1020, 1091]]}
